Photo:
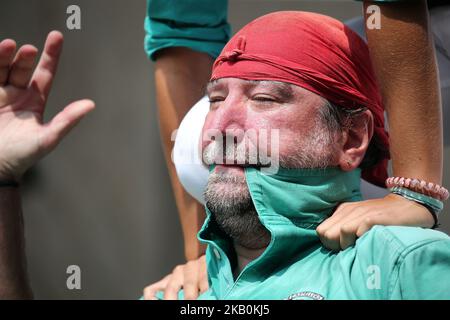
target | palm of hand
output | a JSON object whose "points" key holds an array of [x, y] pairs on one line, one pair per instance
{"points": [[24, 138]]}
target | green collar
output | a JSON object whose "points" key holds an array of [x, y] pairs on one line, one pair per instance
{"points": [[290, 204]]}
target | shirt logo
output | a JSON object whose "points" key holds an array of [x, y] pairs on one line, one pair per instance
{"points": [[305, 295]]}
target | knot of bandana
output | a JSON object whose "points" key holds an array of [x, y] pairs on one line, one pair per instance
{"points": [[231, 55]]}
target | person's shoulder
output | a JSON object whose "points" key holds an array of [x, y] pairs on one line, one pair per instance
{"points": [[417, 260], [406, 237], [408, 260], [391, 244]]}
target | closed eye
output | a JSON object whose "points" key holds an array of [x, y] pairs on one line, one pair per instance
{"points": [[264, 98], [216, 99]]}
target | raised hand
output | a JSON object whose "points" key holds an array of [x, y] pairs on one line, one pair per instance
{"points": [[24, 137]]}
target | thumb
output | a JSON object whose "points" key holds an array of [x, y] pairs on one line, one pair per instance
{"points": [[64, 121]]}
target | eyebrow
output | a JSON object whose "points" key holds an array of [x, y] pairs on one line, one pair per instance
{"points": [[282, 89], [214, 84]]}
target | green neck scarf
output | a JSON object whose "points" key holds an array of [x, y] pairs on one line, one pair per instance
{"points": [[291, 204]]}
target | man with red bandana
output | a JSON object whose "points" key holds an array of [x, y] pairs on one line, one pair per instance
{"points": [[182, 54], [333, 176], [316, 87]]}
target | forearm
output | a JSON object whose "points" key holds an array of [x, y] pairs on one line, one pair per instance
{"points": [[24, 139], [13, 274], [404, 60], [181, 75]]}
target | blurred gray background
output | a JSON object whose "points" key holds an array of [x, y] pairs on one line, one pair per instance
{"points": [[102, 200]]}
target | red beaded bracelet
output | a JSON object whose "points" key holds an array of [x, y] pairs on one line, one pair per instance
{"points": [[427, 188]]}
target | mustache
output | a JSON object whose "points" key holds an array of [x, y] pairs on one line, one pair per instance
{"points": [[244, 153], [220, 177]]}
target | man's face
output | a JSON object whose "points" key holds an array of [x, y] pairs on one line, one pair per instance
{"points": [[251, 111], [239, 107]]}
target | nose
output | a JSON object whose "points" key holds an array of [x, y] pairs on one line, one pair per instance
{"points": [[228, 120]]}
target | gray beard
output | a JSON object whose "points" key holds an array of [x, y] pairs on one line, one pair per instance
{"points": [[229, 201], [234, 211]]}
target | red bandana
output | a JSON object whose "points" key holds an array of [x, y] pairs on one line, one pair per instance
{"points": [[317, 53]]}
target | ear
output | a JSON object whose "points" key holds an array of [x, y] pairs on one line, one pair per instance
{"points": [[356, 140]]}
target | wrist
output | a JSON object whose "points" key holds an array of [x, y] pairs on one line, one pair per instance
{"points": [[430, 205], [8, 179], [195, 251], [8, 184]]}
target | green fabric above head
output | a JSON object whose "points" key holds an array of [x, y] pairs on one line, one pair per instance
{"points": [[200, 25]]}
